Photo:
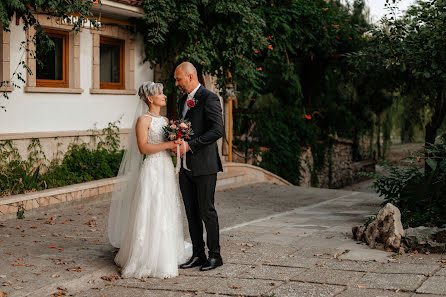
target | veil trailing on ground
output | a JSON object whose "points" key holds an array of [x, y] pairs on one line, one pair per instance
{"points": [[126, 184]]}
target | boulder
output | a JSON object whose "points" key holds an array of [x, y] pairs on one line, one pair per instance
{"points": [[426, 239], [385, 230]]}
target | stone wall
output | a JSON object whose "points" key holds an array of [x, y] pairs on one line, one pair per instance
{"points": [[338, 169]]}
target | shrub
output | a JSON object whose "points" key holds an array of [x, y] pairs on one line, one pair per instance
{"points": [[420, 195], [80, 164]]}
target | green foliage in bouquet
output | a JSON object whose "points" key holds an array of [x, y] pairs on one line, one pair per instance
{"points": [[420, 195], [80, 164]]}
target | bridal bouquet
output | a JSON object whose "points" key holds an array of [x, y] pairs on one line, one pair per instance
{"points": [[179, 130]]}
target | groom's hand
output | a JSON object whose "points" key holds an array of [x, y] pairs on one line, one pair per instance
{"points": [[184, 144]]}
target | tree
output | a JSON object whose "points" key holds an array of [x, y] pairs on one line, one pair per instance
{"points": [[412, 48], [218, 36]]}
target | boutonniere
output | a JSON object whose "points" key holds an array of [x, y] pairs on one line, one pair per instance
{"points": [[192, 102]]}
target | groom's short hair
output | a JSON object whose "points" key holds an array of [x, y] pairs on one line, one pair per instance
{"points": [[188, 68]]}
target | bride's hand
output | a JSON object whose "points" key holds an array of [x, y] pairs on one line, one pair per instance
{"points": [[170, 145]]}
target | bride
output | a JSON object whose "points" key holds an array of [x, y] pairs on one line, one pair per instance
{"points": [[145, 220]]}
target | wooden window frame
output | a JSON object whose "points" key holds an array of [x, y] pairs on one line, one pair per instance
{"points": [[64, 83], [121, 44]]}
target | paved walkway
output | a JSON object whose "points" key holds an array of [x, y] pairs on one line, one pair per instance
{"points": [[276, 241]]}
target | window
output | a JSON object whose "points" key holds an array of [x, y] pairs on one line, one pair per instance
{"points": [[111, 63], [52, 64], [5, 84]]}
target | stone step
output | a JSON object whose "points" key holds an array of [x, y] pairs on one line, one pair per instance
{"points": [[225, 179]]}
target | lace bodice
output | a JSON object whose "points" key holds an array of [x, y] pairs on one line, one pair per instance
{"points": [[156, 134]]}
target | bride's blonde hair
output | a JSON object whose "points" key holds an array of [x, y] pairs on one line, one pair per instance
{"points": [[149, 89]]}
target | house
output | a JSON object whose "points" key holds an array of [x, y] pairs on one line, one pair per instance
{"points": [[88, 80]]}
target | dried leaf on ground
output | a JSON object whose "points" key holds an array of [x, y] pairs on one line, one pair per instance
{"points": [[111, 277], [76, 269], [55, 275], [6, 284], [3, 294], [236, 287]]}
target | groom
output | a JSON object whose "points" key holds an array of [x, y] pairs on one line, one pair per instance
{"points": [[202, 108]]}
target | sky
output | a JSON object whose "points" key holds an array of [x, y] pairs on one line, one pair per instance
{"points": [[377, 8]]}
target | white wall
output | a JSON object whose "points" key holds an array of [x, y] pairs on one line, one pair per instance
{"points": [[46, 112]]}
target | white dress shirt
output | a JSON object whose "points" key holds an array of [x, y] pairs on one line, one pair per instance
{"points": [[189, 96]]}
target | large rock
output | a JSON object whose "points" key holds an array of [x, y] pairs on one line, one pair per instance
{"points": [[426, 239], [385, 230]]}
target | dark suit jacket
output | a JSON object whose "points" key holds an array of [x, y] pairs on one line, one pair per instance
{"points": [[207, 123]]}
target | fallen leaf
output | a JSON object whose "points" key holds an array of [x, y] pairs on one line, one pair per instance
{"points": [[52, 247], [272, 284], [277, 233], [361, 287], [76, 269], [6, 284], [443, 261], [236, 287], [2, 275], [55, 275], [111, 277], [18, 264], [318, 255], [33, 227], [64, 222], [67, 236], [336, 255], [8, 252], [415, 252], [18, 288], [3, 294]]}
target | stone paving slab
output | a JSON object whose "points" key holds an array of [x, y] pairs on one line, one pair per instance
{"points": [[442, 272], [180, 283], [357, 292], [426, 295], [244, 287], [407, 268], [272, 272], [363, 266], [117, 291], [388, 281], [294, 289], [226, 271], [433, 285], [329, 276]]}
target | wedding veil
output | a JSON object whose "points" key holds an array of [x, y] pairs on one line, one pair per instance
{"points": [[125, 185]]}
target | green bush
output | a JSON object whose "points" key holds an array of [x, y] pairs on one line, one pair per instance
{"points": [[419, 194], [80, 164]]}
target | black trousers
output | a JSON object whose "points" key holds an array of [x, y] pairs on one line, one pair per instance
{"points": [[198, 197]]}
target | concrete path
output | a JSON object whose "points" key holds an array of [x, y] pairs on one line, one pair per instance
{"points": [[276, 241]]}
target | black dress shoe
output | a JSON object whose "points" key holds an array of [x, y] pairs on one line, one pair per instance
{"points": [[193, 262], [212, 263]]}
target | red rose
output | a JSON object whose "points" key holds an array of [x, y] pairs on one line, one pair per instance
{"points": [[190, 103]]}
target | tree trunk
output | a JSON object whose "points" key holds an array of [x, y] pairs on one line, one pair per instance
{"points": [[378, 137], [437, 119]]}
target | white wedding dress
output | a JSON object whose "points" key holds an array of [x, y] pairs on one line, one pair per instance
{"points": [[153, 244]]}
